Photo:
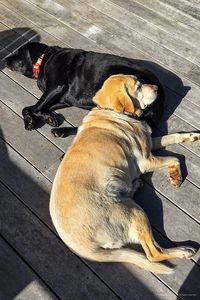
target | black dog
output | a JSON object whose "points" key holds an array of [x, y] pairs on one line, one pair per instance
{"points": [[71, 77]]}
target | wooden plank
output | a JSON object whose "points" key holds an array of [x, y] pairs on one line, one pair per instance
{"points": [[19, 173], [190, 113], [153, 17], [174, 125], [61, 269], [15, 39], [175, 62], [173, 13], [43, 20], [186, 7], [139, 35], [177, 227], [17, 101], [131, 23], [186, 197], [17, 280], [33, 146]]}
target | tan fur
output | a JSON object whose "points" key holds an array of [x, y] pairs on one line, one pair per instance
{"points": [[118, 93], [91, 201]]}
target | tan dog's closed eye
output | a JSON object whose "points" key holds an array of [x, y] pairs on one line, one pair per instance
{"points": [[91, 201]]}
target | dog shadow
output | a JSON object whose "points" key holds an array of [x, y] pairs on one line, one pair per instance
{"points": [[194, 291], [13, 39], [174, 90], [150, 201], [27, 235]]}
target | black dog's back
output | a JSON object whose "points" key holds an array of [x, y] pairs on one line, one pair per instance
{"points": [[88, 71]]}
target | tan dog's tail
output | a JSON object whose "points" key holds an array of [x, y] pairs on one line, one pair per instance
{"points": [[130, 256]]}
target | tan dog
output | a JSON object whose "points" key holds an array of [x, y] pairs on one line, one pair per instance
{"points": [[91, 202]]}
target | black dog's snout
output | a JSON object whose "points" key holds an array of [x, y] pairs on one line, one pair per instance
{"points": [[8, 61], [13, 63]]}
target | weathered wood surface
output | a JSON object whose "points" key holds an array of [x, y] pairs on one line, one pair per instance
{"points": [[18, 281], [165, 35]]}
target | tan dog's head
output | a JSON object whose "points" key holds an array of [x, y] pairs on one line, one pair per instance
{"points": [[124, 93]]}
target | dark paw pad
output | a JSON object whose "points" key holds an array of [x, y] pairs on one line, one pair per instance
{"points": [[29, 123], [57, 132], [52, 120]]}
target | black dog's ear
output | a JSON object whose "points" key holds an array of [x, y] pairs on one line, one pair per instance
{"points": [[35, 50]]}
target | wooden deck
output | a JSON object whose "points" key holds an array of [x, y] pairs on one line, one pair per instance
{"points": [[34, 262]]}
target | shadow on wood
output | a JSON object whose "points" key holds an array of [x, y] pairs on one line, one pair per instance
{"points": [[12, 39], [27, 228], [184, 292]]}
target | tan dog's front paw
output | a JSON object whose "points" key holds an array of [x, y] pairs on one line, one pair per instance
{"points": [[187, 252], [193, 137]]}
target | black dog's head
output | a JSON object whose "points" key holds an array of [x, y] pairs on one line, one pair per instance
{"points": [[23, 60]]}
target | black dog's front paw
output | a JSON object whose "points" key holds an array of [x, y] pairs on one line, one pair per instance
{"points": [[64, 131], [57, 132], [52, 120], [29, 123]]}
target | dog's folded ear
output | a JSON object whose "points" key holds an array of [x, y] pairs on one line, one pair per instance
{"points": [[114, 94], [122, 102]]}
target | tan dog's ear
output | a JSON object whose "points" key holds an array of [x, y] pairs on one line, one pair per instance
{"points": [[114, 95], [123, 103]]}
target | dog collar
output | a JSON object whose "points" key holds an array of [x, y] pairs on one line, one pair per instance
{"points": [[36, 66], [131, 115]]}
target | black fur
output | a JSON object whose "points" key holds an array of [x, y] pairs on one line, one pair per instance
{"points": [[71, 77]]}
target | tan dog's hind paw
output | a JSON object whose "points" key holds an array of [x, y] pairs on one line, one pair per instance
{"points": [[175, 176]]}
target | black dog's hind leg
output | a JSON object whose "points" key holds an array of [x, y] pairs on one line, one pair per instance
{"points": [[64, 131], [41, 108]]}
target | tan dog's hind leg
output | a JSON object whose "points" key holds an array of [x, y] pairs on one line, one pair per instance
{"points": [[153, 251], [172, 163], [175, 138]]}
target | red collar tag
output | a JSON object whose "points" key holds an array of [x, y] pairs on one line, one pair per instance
{"points": [[36, 66]]}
